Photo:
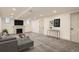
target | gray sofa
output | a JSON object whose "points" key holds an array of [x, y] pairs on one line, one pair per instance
{"points": [[8, 44], [12, 44]]}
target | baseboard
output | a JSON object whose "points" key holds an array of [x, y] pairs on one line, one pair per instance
{"points": [[28, 32]]}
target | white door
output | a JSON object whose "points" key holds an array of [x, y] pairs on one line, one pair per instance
{"points": [[41, 26], [75, 27]]}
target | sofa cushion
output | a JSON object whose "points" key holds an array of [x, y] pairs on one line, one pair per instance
{"points": [[22, 41], [7, 38]]}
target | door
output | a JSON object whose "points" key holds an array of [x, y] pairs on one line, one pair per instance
{"points": [[41, 26], [75, 27]]}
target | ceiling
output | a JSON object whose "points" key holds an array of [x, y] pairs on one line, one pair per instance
{"points": [[7, 11], [34, 12]]}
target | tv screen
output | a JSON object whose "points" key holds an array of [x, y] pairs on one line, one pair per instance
{"points": [[18, 22], [56, 22]]}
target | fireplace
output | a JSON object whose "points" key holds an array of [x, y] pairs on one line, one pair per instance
{"points": [[18, 31]]}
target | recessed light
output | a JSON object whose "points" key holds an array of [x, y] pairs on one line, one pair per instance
{"points": [[41, 15], [14, 9], [54, 11], [12, 14]]}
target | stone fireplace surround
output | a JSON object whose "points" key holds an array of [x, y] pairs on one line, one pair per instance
{"points": [[18, 27]]}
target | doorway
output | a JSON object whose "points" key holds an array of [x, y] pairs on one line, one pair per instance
{"points": [[41, 26], [74, 27]]}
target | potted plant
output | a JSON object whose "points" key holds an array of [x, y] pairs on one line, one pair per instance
{"points": [[5, 32]]}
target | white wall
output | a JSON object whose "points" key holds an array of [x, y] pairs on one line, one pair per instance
{"points": [[46, 24], [8, 26], [27, 27], [64, 25], [0, 25], [35, 26]]}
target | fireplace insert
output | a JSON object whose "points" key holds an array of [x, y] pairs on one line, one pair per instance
{"points": [[18, 31]]}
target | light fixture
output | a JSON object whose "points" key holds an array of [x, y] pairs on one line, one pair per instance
{"points": [[14, 9], [54, 11], [41, 15], [12, 14]]}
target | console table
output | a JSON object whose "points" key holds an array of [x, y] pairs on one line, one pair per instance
{"points": [[54, 33]]}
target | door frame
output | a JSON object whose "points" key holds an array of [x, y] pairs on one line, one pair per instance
{"points": [[71, 25], [43, 26]]}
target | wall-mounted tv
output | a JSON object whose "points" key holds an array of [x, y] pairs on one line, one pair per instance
{"points": [[18, 22], [56, 22]]}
